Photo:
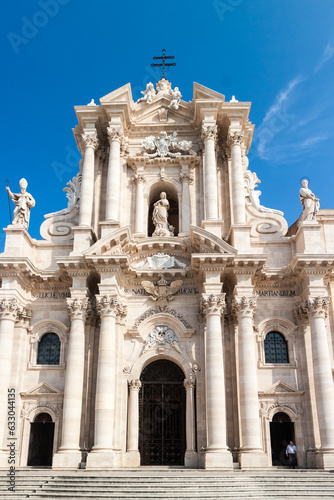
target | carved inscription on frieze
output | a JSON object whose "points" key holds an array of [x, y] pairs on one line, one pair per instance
{"points": [[183, 291], [51, 295], [275, 293]]}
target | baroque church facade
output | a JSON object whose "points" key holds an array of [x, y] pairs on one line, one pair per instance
{"points": [[167, 317]]}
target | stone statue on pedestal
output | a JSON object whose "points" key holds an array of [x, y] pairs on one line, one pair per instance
{"points": [[310, 202], [23, 203], [160, 217]]}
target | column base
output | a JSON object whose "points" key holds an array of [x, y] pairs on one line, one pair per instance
{"points": [[108, 226], [191, 459], [98, 459], [253, 460], [132, 459], [66, 459], [218, 460], [324, 460]]}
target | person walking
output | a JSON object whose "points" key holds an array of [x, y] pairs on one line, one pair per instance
{"points": [[291, 452]]}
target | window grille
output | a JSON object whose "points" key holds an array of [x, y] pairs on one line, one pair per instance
{"points": [[276, 348], [49, 350]]}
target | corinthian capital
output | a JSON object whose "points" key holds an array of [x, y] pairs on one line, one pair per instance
{"points": [[209, 132], [244, 306], [110, 306], [90, 140], [78, 308], [138, 178], [9, 309], [189, 384], [134, 385], [313, 307], [115, 134], [212, 304], [189, 178], [235, 137]]}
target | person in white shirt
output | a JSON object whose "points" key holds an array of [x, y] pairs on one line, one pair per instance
{"points": [[291, 452]]}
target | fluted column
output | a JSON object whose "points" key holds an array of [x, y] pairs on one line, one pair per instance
{"points": [[87, 185], [209, 136], [238, 191], [186, 179], [217, 454], [139, 180], [133, 416], [316, 309], [115, 136], [251, 454], [69, 452], [190, 456], [8, 313], [103, 450]]}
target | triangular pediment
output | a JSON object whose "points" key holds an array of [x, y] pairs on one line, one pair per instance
{"points": [[280, 387], [122, 94], [204, 93], [159, 112], [42, 388]]}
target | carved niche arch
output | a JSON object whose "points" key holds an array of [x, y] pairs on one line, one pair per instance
{"points": [[141, 357], [173, 196], [37, 331]]}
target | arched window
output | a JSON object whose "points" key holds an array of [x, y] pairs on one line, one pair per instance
{"points": [[49, 350], [276, 348]]}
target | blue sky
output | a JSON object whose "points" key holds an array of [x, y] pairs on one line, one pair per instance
{"points": [[278, 54]]}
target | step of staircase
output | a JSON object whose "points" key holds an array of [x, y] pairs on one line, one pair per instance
{"points": [[150, 483]]}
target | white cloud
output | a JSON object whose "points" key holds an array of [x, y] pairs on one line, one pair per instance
{"points": [[326, 56], [312, 140], [281, 98]]}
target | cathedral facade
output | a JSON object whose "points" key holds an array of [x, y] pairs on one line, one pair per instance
{"points": [[166, 317]]}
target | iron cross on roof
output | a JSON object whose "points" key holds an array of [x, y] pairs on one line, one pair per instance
{"points": [[163, 65]]}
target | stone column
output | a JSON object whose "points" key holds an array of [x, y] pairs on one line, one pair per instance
{"points": [[69, 454], [103, 454], [191, 455], [238, 191], [8, 313], [186, 179], [316, 309], [133, 456], [115, 136], [209, 137], [217, 454], [139, 179], [251, 453], [87, 185]]}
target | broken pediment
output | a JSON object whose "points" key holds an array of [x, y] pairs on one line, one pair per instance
{"points": [[122, 94], [204, 93], [205, 242]]}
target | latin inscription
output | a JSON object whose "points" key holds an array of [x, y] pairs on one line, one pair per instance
{"points": [[275, 293], [51, 295], [182, 291]]}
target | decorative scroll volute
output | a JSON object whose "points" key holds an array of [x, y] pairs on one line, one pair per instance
{"points": [[244, 306]]}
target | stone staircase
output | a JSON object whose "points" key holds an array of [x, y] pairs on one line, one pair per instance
{"points": [[152, 483]]}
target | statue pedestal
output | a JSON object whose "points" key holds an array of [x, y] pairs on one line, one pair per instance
{"points": [[83, 239], [108, 226], [18, 242], [308, 238], [240, 237]]}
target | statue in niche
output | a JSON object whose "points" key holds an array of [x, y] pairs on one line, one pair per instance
{"points": [[148, 94], [23, 203], [310, 202], [160, 217]]}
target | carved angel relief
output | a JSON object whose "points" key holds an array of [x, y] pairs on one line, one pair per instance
{"points": [[162, 292]]}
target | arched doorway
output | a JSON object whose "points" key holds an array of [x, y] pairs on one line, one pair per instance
{"points": [[173, 212], [41, 441], [162, 416], [281, 433]]}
